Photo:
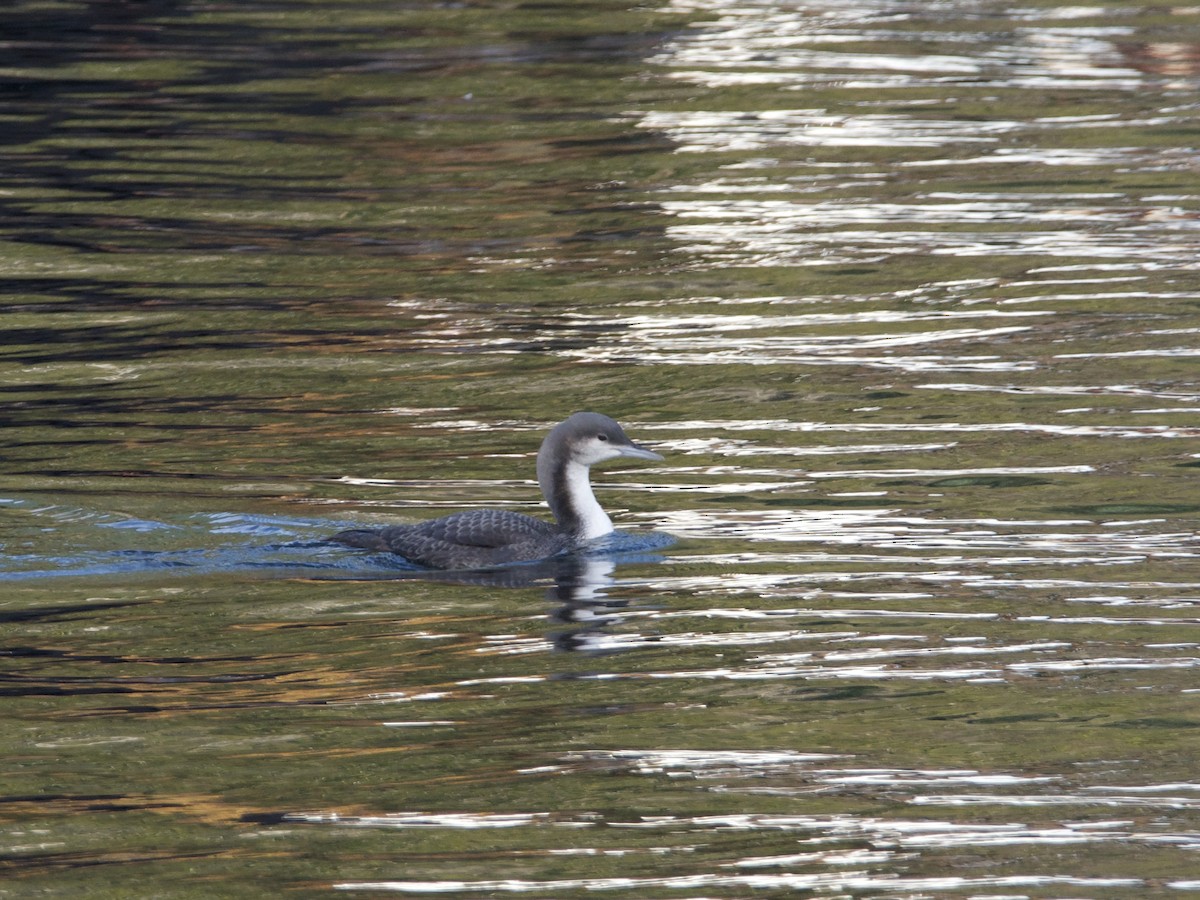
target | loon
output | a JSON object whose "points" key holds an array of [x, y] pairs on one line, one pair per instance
{"points": [[481, 538]]}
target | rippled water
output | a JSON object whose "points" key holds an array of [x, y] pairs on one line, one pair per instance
{"points": [[907, 296]]}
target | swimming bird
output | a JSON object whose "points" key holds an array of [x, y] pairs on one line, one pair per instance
{"points": [[480, 538]]}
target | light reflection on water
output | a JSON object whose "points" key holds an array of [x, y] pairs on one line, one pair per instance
{"points": [[1104, 431], [748, 237], [766, 43], [823, 883]]}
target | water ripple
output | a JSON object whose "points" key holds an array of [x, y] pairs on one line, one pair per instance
{"points": [[754, 236], [760, 43], [822, 883]]}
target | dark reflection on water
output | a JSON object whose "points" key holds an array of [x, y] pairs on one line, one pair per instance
{"points": [[198, 128], [41, 613]]}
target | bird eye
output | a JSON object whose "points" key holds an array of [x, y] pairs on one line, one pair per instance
{"points": [[602, 437]]}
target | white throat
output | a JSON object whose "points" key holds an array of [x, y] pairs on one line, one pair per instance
{"points": [[592, 521]]}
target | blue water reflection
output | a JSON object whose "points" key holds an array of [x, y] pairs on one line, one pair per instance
{"points": [[279, 545]]}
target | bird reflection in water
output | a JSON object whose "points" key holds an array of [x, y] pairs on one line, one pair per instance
{"points": [[577, 585]]}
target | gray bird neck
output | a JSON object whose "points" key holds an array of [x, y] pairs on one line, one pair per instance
{"points": [[568, 489]]}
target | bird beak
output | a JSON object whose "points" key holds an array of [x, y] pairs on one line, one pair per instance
{"points": [[638, 452]]}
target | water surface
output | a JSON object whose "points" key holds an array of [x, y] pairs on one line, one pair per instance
{"points": [[906, 295]]}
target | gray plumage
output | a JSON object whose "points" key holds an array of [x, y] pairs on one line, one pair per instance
{"points": [[490, 537], [474, 539]]}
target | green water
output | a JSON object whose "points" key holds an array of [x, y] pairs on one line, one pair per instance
{"points": [[906, 296]]}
